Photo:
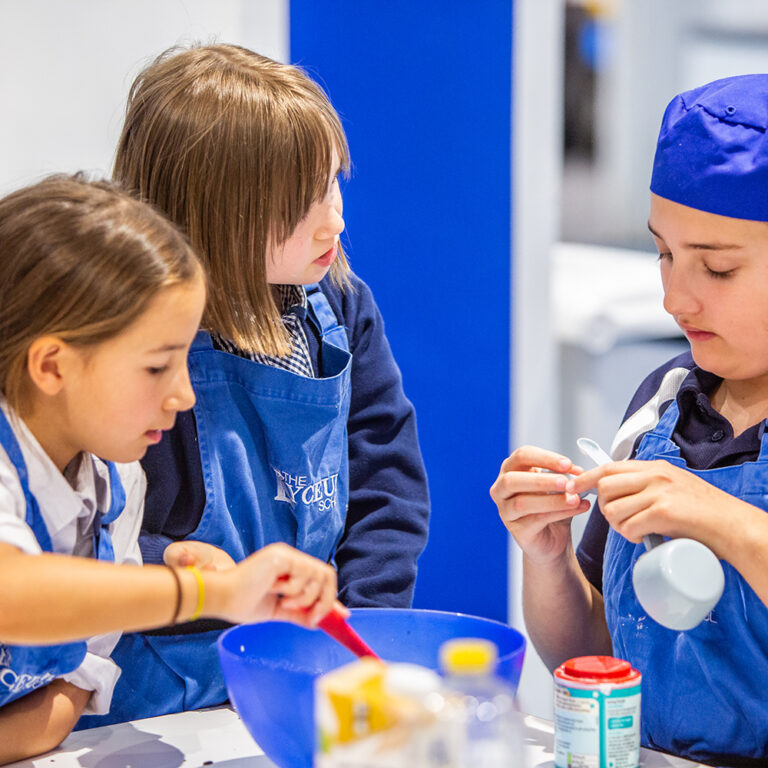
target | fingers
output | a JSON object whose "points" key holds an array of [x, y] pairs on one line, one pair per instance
{"points": [[534, 480], [525, 504], [508, 484], [588, 480], [534, 493], [340, 609], [528, 526], [308, 592], [518, 494], [320, 608], [613, 488], [528, 456], [180, 554], [637, 497], [306, 586], [279, 582], [204, 556]]}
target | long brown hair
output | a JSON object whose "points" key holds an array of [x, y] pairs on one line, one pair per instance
{"points": [[235, 148], [79, 260]]}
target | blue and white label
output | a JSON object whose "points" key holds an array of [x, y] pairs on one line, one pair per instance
{"points": [[597, 728]]}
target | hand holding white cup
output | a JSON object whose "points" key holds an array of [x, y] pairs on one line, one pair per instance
{"points": [[677, 582]]}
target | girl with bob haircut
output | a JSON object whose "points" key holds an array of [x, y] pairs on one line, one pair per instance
{"points": [[301, 432], [100, 298]]}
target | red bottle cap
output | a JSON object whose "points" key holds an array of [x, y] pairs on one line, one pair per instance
{"points": [[596, 669]]}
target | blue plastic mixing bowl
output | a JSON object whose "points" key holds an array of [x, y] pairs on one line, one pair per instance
{"points": [[270, 668]]}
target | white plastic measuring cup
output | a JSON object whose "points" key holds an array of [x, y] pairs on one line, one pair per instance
{"points": [[678, 582]]}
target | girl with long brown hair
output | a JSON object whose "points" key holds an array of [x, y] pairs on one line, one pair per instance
{"points": [[301, 432], [100, 298]]}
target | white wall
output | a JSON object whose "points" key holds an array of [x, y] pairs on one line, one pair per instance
{"points": [[645, 64], [65, 70]]}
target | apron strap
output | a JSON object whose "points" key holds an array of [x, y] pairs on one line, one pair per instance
{"points": [[202, 340], [666, 424], [324, 319], [764, 442], [33, 517], [102, 538]]}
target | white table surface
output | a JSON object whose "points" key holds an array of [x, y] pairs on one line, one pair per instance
{"points": [[217, 737]]}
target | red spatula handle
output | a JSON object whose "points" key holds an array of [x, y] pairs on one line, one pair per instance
{"points": [[335, 625], [338, 628]]}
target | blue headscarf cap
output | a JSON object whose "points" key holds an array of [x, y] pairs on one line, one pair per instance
{"points": [[712, 152]]}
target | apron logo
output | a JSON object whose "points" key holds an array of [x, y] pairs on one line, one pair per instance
{"points": [[297, 488], [20, 683]]}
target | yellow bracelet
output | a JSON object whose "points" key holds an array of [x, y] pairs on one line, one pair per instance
{"points": [[200, 593]]}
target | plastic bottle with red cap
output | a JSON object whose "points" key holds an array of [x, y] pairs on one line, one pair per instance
{"points": [[597, 713]]}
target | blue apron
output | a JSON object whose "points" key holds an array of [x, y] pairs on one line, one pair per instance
{"points": [[705, 691], [273, 447], [26, 668]]}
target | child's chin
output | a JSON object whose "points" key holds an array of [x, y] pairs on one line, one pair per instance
{"points": [[126, 455], [705, 362]]}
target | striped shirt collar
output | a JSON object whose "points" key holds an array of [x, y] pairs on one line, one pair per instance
{"points": [[298, 360]]}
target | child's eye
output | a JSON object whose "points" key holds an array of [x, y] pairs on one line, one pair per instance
{"points": [[665, 255], [157, 370], [720, 275]]}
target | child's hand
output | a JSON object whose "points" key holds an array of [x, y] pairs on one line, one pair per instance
{"points": [[537, 506], [280, 583], [206, 557], [642, 497]]}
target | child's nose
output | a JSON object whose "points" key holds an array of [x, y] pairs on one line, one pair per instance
{"points": [[678, 297], [182, 397], [332, 222]]}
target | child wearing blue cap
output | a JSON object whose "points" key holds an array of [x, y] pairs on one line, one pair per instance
{"points": [[695, 437]]}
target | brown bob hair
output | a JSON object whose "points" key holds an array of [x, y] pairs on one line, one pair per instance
{"points": [[235, 148], [80, 260]]}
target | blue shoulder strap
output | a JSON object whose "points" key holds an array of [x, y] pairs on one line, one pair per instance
{"points": [[102, 539], [322, 315], [202, 340], [33, 517]]}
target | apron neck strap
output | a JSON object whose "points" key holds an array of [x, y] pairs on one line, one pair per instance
{"points": [[102, 538], [321, 314], [33, 517], [202, 340]]}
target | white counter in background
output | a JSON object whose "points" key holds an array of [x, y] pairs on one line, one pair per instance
{"points": [[217, 737], [611, 331]]}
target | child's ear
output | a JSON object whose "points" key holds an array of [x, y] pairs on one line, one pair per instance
{"points": [[46, 363]]}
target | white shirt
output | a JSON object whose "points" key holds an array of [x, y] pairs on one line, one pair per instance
{"points": [[68, 505]]}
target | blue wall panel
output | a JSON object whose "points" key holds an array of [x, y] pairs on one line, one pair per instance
{"points": [[423, 89]]}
